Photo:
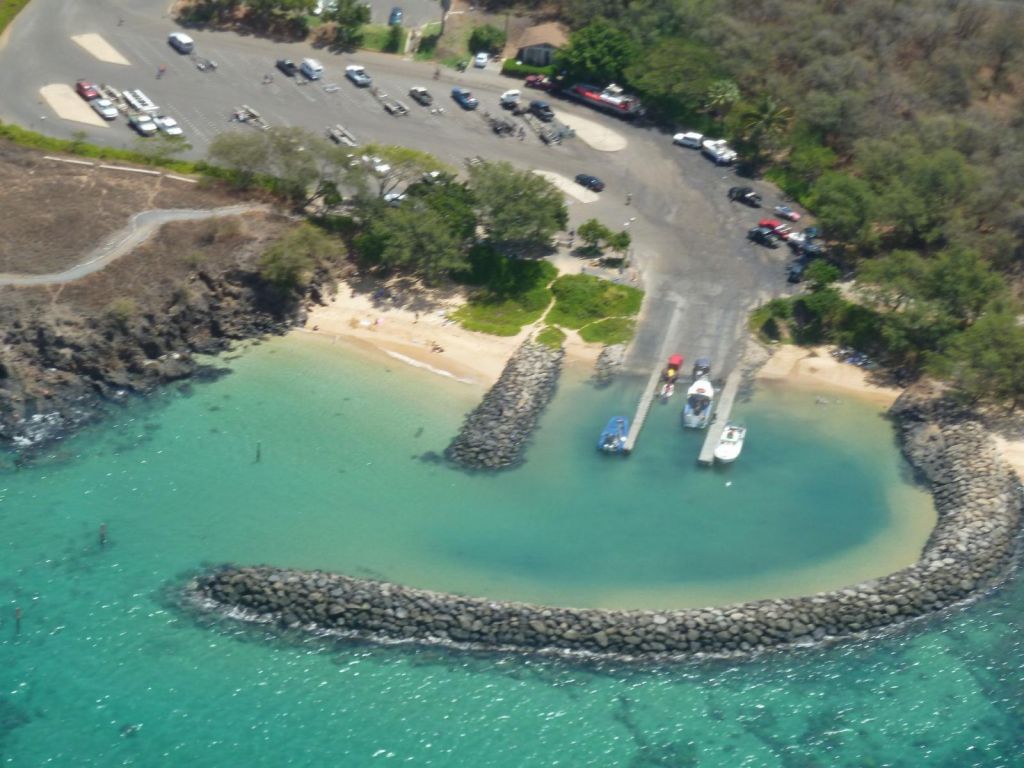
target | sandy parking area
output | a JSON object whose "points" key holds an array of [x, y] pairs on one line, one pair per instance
{"points": [[569, 187], [69, 105], [100, 48], [593, 134]]}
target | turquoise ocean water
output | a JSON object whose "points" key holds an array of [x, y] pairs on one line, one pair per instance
{"points": [[818, 499]]}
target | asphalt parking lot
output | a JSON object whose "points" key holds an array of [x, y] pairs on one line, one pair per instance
{"points": [[689, 239]]}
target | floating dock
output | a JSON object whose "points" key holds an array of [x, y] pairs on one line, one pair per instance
{"points": [[647, 398], [722, 412]]}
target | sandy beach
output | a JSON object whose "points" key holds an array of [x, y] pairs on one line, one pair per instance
{"points": [[427, 338], [816, 368]]}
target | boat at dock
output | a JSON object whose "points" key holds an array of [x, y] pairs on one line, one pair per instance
{"points": [[613, 438], [700, 399], [670, 376], [730, 444]]}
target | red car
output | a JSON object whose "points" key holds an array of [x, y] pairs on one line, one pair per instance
{"points": [[87, 90], [776, 226], [539, 82]]}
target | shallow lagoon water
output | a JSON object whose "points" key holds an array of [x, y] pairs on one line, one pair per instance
{"points": [[341, 484]]}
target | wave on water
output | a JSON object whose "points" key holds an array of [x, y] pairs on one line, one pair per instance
{"points": [[417, 364]]}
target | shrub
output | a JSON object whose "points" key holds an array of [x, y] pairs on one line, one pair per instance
{"points": [[487, 38], [513, 68], [122, 310]]}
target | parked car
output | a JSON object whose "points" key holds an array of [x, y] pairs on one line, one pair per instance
{"points": [[288, 67], [542, 110], [590, 182], [787, 213], [718, 151], [763, 236], [168, 125], [690, 139], [358, 75], [181, 42], [143, 124], [540, 82], [795, 271], [510, 99], [394, 199], [781, 230], [481, 59], [395, 19], [745, 195], [464, 98], [87, 90], [421, 95], [104, 108], [312, 69]]}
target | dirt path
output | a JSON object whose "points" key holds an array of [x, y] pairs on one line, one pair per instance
{"points": [[125, 240]]}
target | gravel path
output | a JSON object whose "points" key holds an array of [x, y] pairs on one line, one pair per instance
{"points": [[141, 226]]}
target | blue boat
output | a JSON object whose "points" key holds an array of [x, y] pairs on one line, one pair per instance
{"points": [[613, 439]]}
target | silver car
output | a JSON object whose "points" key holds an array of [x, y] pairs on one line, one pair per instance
{"points": [[104, 108], [168, 125]]}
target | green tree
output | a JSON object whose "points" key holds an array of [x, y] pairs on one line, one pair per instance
{"points": [[762, 125], [415, 238], [401, 166], [245, 153], [349, 17], [592, 232], [821, 274], [600, 51], [520, 210], [962, 285], [843, 205], [674, 76], [894, 279], [453, 201], [288, 264], [719, 99], [986, 360], [619, 242], [487, 39]]}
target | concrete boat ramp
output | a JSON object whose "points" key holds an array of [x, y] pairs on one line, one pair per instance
{"points": [[723, 401]]}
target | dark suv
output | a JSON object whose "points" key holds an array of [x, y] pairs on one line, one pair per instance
{"points": [[763, 236], [745, 195], [287, 67], [542, 110]]}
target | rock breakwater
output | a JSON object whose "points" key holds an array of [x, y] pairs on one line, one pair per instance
{"points": [[495, 433], [978, 502]]}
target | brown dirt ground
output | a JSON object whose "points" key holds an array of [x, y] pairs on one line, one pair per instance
{"points": [[150, 275], [54, 213]]}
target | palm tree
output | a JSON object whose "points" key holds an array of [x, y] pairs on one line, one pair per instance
{"points": [[762, 124], [720, 97]]}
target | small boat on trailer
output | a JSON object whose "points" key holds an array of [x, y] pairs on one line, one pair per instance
{"points": [[670, 376], [702, 368], [730, 444], [613, 438]]}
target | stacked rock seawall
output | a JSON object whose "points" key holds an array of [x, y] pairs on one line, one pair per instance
{"points": [[976, 494], [495, 433]]}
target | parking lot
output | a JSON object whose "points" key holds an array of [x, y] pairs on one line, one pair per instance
{"points": [[689, 239]]}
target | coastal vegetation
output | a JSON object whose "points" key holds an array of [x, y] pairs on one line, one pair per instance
{"points": [[897, 125]]}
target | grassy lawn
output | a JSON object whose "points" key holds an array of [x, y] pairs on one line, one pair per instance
{"points": [[614, 330], [502, 317], [551, 337], [427, 48], [384, 38], [8, 10], [583, 299]]}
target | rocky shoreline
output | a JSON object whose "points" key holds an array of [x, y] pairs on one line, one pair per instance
{"points": [[58, 375], [495, 433], [971, 550]]}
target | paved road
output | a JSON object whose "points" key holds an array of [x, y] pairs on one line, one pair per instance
{"points": [[689, 239], [127, 239]]}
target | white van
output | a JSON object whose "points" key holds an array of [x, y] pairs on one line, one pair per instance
{"points": [[181, 42], [311, 68], [689, 139]]}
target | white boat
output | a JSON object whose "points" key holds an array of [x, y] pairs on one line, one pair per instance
{"points": [[730, 444], [700, 398]]}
